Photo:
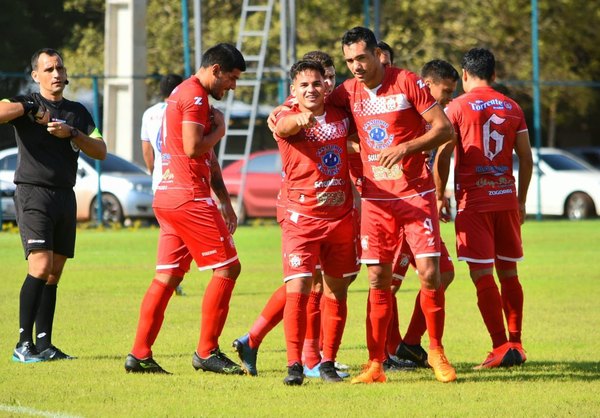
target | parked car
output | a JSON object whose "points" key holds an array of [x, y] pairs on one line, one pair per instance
{"points": [[7, 193], [126, 187], [263, 181], [570, 187], [590, 154]]}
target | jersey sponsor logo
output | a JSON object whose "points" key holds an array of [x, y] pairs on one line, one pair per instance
{"points": [[331, 159], [364, 242], [372, 158], [207, 253], [383, 173], [198, 100], [500, 182], [377, 136], [35, 241], [331, 198], [167, 175], [500, 192], [329, 183], [496, 170], [294, 260], [480, 105]]}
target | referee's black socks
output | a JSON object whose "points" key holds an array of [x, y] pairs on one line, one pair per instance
{"points": [[29, 301]]}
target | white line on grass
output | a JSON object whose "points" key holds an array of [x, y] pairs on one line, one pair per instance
{"points": [[32, 411]]}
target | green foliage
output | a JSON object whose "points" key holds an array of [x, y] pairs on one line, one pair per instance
{"points": [[98, 307]]}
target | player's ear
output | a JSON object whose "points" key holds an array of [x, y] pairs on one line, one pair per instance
{"points": [[34, 76], [216, 68], [292, 90]]}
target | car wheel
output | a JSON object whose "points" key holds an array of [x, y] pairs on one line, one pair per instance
{"points": [[112, 212], [579, 206], [240, 212]]}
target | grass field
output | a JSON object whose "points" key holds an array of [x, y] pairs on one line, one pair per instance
{"points": [[102, 287]]}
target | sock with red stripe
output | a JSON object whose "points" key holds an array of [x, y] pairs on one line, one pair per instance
{"points": [[490, 306], [152, 314], [512, 304], [294, 324], [215, 307], [271, 315]]}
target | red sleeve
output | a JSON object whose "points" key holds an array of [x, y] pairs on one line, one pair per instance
{"points": [[339, 97], [417, 92], [194, 107], [453, 113]]}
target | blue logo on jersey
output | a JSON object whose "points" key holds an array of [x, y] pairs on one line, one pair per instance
{"points": [[377, 136], [330, 160], [158, 140]]}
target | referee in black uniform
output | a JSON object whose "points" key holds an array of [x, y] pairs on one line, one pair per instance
{"points": [[51, 132]]}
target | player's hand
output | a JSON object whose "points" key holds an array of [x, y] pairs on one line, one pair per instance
{"points": [[59, 129], [306, 120], [522, 212], [272, 119], [443, 206], [37, 113], [392, 155], [229, 216], [217, 121]]}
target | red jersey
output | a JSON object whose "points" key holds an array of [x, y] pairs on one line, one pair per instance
{"points": [[315, 166], [184, 178], [384, 117], [486, 123]]}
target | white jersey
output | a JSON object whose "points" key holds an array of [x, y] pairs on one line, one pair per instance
{"points": [[151, 128]]}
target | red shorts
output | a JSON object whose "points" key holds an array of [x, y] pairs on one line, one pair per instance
{"points": [[195, 230], [481, 237], [404, 258], [384, 221], [307, 242]]}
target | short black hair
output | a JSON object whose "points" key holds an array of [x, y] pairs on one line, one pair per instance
{"points": [[226, 55], [319, 56], [48, 51], [439, 70], [385, 47], [479, 62], [360, 33], [304, 65], [168, 83]]}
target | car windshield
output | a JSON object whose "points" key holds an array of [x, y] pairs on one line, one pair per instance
{"points": [[268, 163], [114, 164], [560, 162]]}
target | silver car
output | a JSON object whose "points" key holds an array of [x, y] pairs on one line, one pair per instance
{"points": [[126, 188]]}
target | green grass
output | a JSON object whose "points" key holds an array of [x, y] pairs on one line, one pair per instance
{"points": [[102, 287]]}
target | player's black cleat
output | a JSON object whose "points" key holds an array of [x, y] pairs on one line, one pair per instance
{"points": [[295, 375], [394, 364], [148, 365], [329, 373], [53, 353], [26, 353], [217, 362], [414, 353]]}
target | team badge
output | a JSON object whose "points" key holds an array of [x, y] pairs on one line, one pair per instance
{"points": [[330, 157], [404, 260], [377, 136], [294, 260], [364, 243]]}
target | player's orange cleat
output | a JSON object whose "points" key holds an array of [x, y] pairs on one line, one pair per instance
{"points": [[444, 372], [520, 358], [503, 356], [372, 373]]}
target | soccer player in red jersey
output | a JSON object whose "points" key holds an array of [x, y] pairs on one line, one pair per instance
{"points": [[491, 207], [389, 105], [318, 224], [191, 226]]}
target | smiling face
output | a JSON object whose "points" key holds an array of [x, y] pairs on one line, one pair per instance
{"points": [[51, 75], [364, 64], [309, 89]]}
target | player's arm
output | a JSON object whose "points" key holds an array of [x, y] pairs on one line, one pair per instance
{"points": [[12, 110], [218, 187], [523, 151], [272, 119], [441, 131], [148, 155], [195, 141], [441, 171], [292, 123]]}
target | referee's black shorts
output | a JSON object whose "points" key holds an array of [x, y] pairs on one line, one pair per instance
{"points": [[47, 219]]}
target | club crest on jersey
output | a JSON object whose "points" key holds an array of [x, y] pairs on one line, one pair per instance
{"points": [[294, 260], [377, 136], [364, 242], [330, 159]]}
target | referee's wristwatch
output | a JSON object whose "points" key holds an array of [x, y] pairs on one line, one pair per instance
{"points": [[74, 133]]}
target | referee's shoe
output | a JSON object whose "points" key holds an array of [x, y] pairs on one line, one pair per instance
{"points": [[26, 352]]}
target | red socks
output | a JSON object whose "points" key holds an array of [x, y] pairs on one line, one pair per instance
{"points": [[433, 304], [335, 314], [294, 324], [393, 337], [271, 315], [311, 352], [512, 303], [379, 313], [490, 306], [152, 314], [215, 307]]}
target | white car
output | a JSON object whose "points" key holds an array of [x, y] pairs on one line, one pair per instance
{"points": [[569, 186], [126, 188]]}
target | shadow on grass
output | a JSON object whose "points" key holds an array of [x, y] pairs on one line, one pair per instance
{"points": [[533, 371]]}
